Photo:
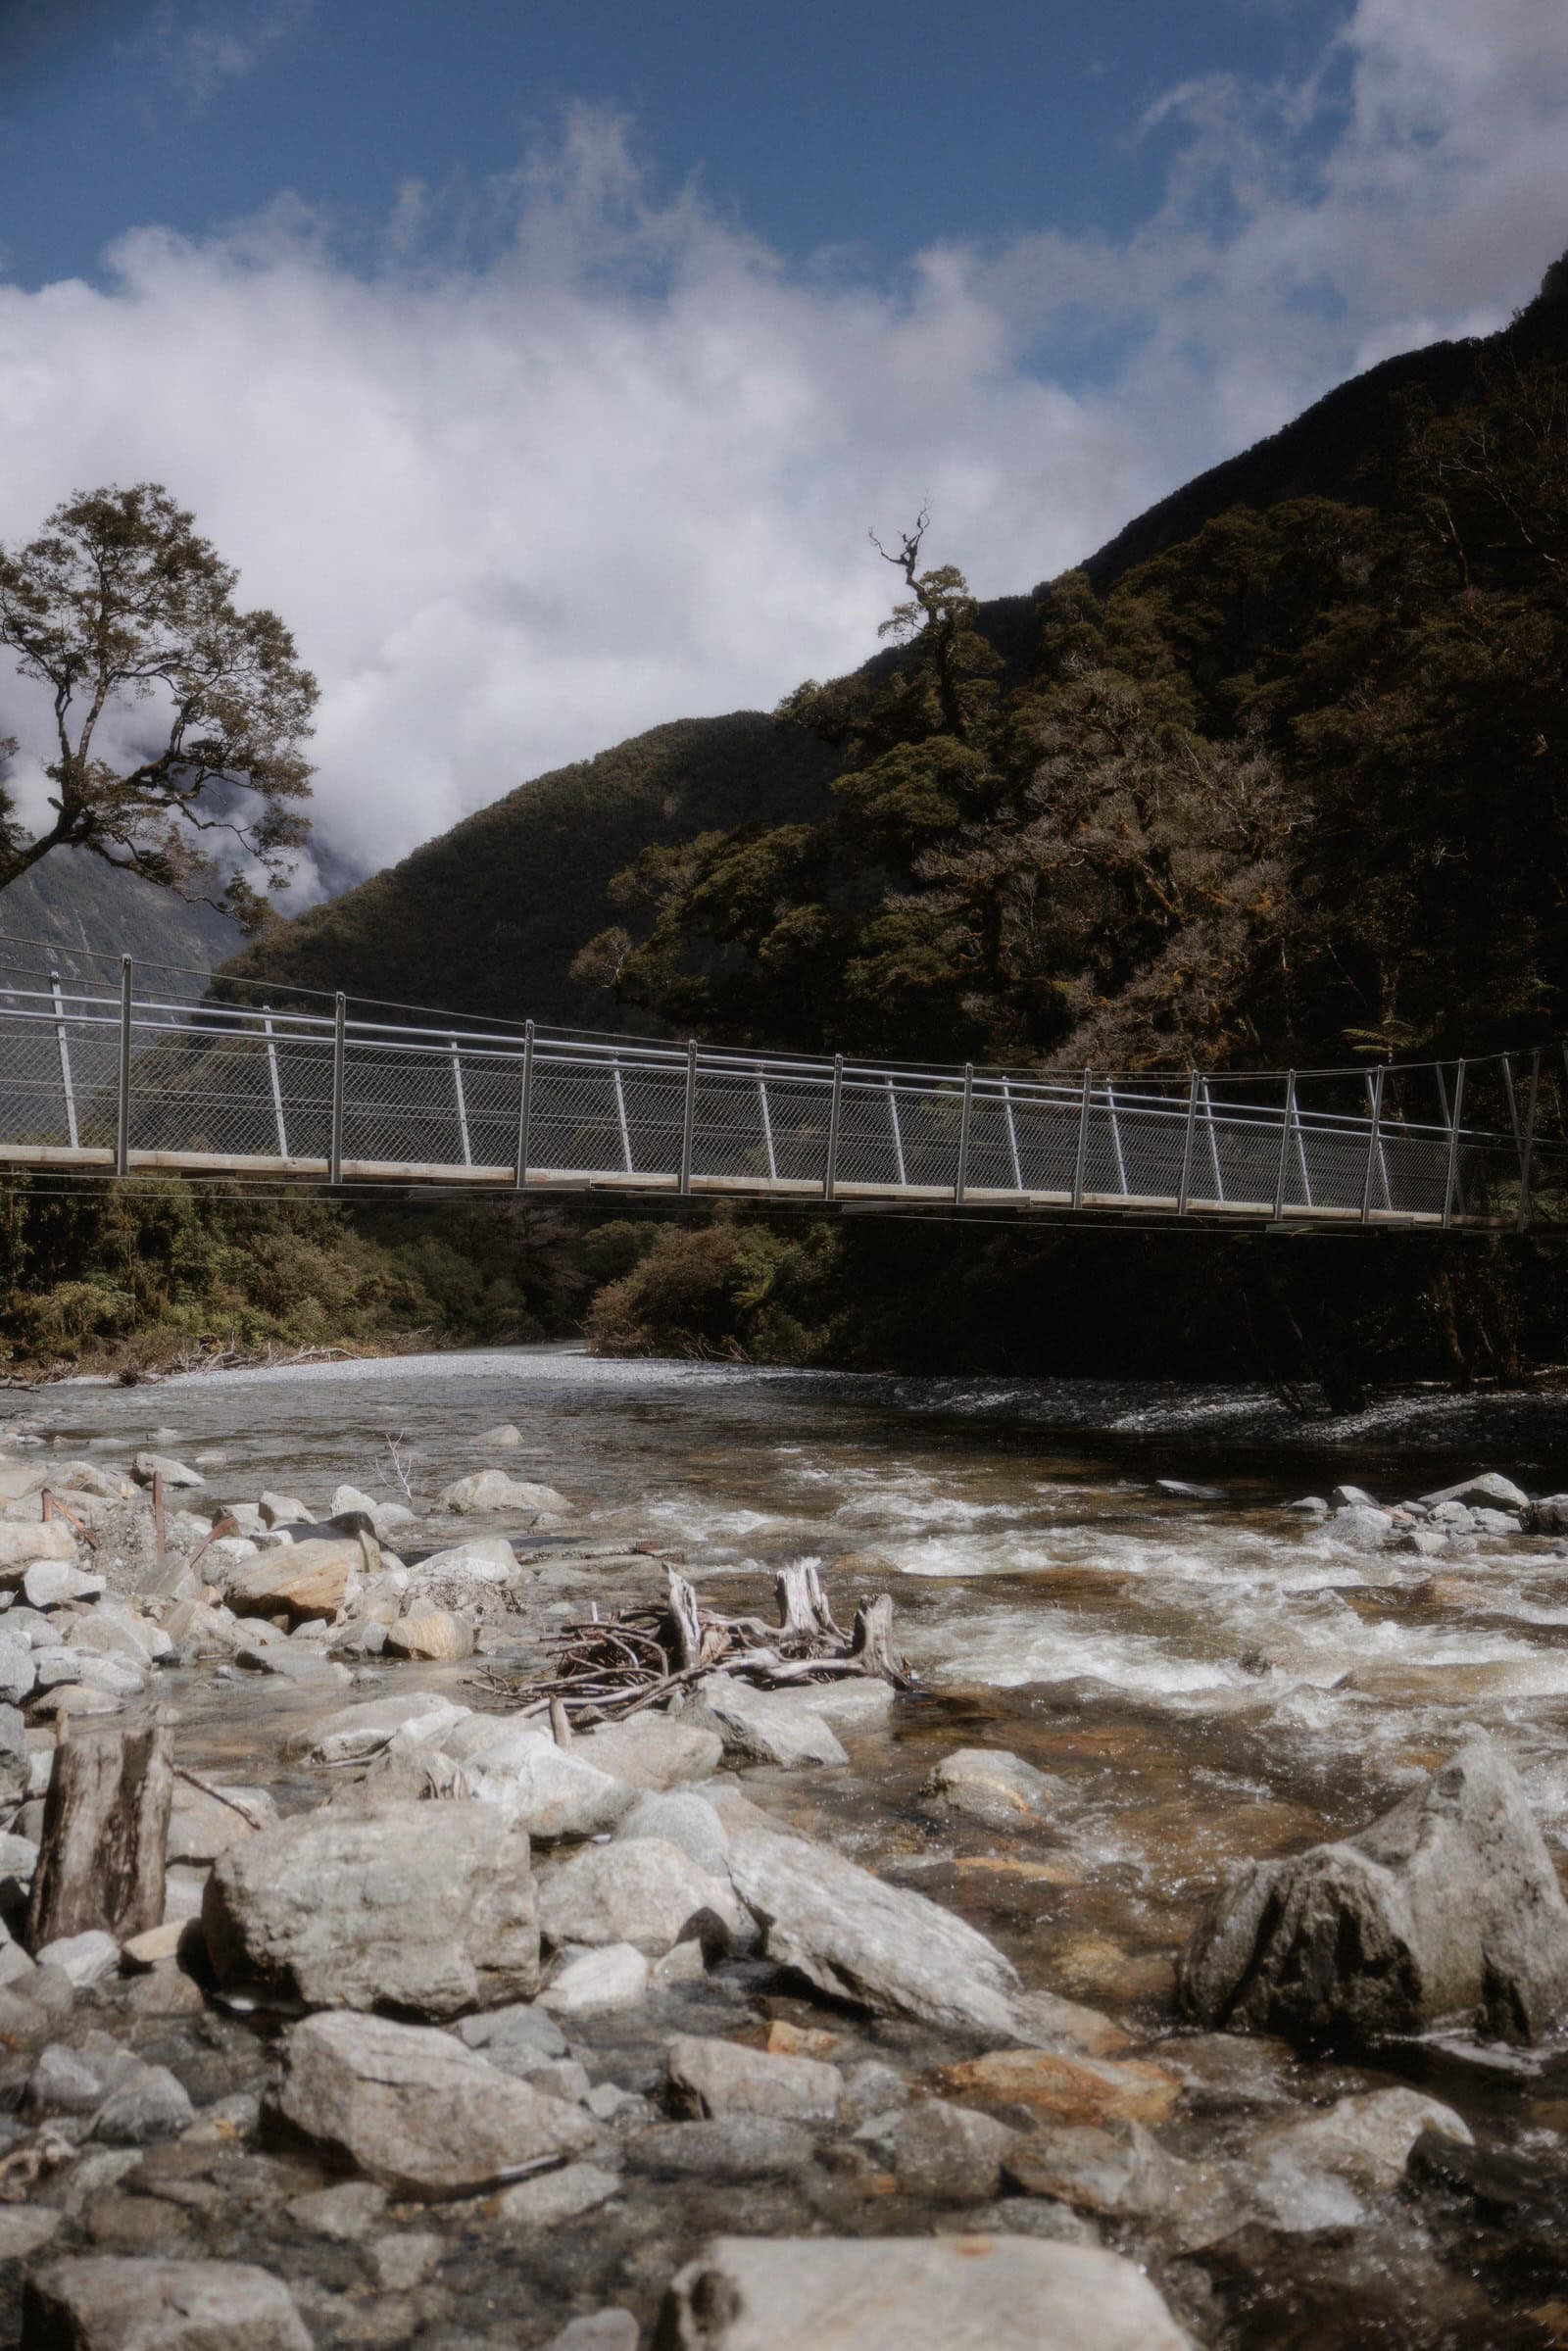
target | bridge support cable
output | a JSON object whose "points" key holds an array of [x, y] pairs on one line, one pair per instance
{"points": [[1286, 1126]]}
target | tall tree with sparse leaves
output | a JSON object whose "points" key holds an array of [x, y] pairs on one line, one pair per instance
{"points": [[179, 719]]}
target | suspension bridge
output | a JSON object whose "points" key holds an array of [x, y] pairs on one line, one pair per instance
{"points": [[155, 1071]]}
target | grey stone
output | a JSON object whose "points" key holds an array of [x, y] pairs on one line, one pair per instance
{"points": [[405, 2257], [25, 2228], [1351, 1498], [77, 2081], [991, 1785], [651, 1751], [1548, 1516], [858, 1939], [1364, 2141], [490, 1490], [347, 2213], [552, 1792], [1026, 2216], [205, 1821], [1490, 1490], [709, 2077], [615, 1976], [646, 1893], [146, 1466], [282, 1510], [519, 2026], [871, 2089], [557, 2197], [763, 1726], [1006, 2293], [126, 2303], [415, 2110], [432, 1912], [679, 1817], [738, 2146], [1446, 1912], [358, 1732], [19, 1670], [151, 2104], [51, 1582], [1450, 1514], [1310, 1505], [1119, 2173], [501, 1440], [82, 1959], [949, 2154], [22, 1540], [1363, 1530]]}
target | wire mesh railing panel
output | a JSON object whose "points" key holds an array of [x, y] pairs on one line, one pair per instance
{"points": [[574, 1123], [36, 1086], [868, 1150], [1045, 1127], [193, 1089], [930, 1117], [301, 1061], [800, 1111], [654, 1102]]}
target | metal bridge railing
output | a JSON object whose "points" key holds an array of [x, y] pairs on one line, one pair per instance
{"points": [[129, 1078]]}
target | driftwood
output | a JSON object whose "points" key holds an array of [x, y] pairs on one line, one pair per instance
{"points": [[105, 1835], [606, 1667]]}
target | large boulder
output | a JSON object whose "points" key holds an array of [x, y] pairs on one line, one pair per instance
{"points": [[858, 1939], [651, 1751], [1446, 1912], [943, 2293], [993, 1787], [431, 1911], [762, 1726], [113, 2302], [490, 1490], [303, 1579], [552, 1792], [643, 1892], [417, 2110]]}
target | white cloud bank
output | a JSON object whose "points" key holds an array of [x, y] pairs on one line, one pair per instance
{"points": [[624, 469]]}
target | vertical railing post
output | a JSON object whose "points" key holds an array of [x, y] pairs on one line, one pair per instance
{"points": [[1284, 1144], [1301, 1159], [1081, 1161], [462, 1102], [334, 1154], [1013, 1136], [835, 1111], [1189, 1138], [620, 1120], [122, 1107], [897, 1138], [524, 1108], [688, 1124], [64, 1044], [1373, 1140], [767, 1126], [1451, 1180], [1115, 1140], [277, 1090], [1213, 1145], [1528, 1152], [960, 1179]]}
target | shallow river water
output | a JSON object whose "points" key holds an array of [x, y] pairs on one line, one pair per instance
{"points": [[1206, 1677]]}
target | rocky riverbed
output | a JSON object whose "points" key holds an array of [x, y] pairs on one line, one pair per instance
{"points": [[1183, 1961]]}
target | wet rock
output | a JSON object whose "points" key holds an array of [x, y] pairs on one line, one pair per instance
{"points": [[147, 1466], [303, 1579], [290, 1662], [1310, 1505], [679, 1819], [1365, 2140], [82, 1959], [348, 2212], [501, 1440], [25, 2228], [872, 2091], [616, 1976], [430, 1633], [1444, 1912], [949, 2154], [1490, 1491], [737, 2146], [651, 1751], [1351, 1498], [989, 1785], [609, 2329], [361, 1731], [1363, 1530], [415, 2109], [858, 1939], [397, 1907], [205, 1821], [67, 2080], [719, 2076], [1548, 1516], [105, 2302], [1119, 2173], [149, 2104], [647, 1892], [522, 2026], [492, 1490], [922, 2293], [763, 1726], [558, 2196], [552, 1792], [1067, 2090]]}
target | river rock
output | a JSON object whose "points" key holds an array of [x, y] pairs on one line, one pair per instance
{"points": [[415, 2110], [878, 1946], [430, 1911], [1446, 1912], [545, 2203], [51, 1582], [302, 1579], [492, 1490], [478, 1578], [552, 1792], [719, 2076], [762, 1726], [991, 1785], [615, 1976], [281, 1509], [205, 1821], [651, 1751], [432, 1634], [1548, 1516], [21, 1543], [108, 2302], [147, 1466], [357, 1732], [503, 1439], [149, 2104], [679, 1817], [19, 1670], [949, 2154], [1064, 2090], [1363, 2141], [83, 1959], [1363, 1529], [732, 2146], [1119, 2173], [646, 1893], [1489, 1491], [1008, 2293]]}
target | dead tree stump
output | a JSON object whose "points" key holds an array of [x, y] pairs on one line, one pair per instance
{"points": [[105, 1835]]}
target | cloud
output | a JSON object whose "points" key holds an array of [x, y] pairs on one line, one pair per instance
{"points": [[206, 45], [569, 456]]}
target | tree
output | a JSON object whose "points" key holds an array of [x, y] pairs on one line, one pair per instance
{"points": [[176, 717]]}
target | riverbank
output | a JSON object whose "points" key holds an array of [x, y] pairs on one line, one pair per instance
{"points": [[1163, 1681]]}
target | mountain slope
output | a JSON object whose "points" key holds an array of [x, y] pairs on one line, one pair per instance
{"points": [[82, 912]]}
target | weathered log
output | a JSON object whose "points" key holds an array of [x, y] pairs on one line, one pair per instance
{"points": [[105, 1835], [872, 1642], [686, 1619], [802, 1610]]}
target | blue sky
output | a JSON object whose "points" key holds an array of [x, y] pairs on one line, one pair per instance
{"points": [[846, 134], [547, 365]]}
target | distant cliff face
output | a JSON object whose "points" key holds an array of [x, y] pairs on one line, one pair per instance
{"points": [[73, 903]]}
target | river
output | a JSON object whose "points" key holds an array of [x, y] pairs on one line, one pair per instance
{"points": [[1207, 1676]]}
